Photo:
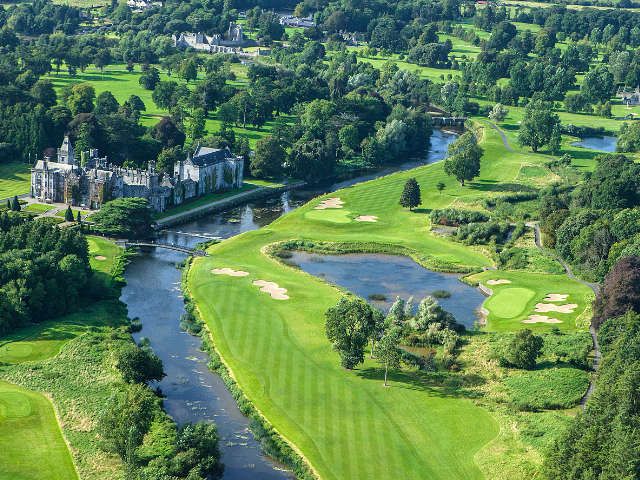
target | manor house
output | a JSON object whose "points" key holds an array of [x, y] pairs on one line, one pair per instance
{"points": [[94, 181], [232, 42]]}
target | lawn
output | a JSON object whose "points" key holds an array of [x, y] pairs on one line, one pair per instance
{"points": [[30, 438], [512, 303], [38, 208], [15, 179]]}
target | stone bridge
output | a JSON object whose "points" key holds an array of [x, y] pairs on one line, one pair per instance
{"points": [[170, 246]]}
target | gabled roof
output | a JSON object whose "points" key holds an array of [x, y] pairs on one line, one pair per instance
{"points": [[207, 156]]}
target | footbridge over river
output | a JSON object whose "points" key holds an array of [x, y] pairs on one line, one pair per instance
{"points": [[170, 246]]}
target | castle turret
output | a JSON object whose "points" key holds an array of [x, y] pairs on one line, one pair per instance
{"points": [[66, 154]]}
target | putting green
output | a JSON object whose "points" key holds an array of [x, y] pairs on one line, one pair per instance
{"points": [[30, 438], [509, 302]]}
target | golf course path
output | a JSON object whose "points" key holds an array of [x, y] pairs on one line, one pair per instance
{"points": [[507, 145], [592, 330]]}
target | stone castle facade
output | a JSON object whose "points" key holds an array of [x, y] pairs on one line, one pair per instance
{"points": [[97, 181], [232, 42]]}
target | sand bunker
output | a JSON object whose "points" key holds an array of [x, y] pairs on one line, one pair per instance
{"points": [[541, 319], [229, 271], [550, 307], [100, 257], [556, 297], [272, 288], [500, 281], [333, 202], [367, 218]]}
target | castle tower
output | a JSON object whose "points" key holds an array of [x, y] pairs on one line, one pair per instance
{"points": [[66, 154]]}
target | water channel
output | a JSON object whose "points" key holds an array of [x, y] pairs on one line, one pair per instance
{"points": [[152, 293], [602, 144]]}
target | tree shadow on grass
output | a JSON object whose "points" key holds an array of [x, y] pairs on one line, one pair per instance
{"points": [[422, 210], [440, 384], [510, 126]]}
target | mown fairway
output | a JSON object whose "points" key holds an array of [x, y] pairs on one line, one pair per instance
{"points": [[30, 439], [15, 179], [345, 422]]}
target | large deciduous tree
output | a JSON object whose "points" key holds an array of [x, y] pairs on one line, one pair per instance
{"points": [[463, 160], [524, 349], [348, 327], [130, 217], [268, 159], [537, 124], [620, 291]]}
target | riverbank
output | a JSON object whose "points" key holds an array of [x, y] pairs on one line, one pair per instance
{"points": [[277, 351]]}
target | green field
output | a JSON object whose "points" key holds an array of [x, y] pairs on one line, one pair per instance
{"points": [[38, 208], [15, 179], [279, 355], [30, 438]]}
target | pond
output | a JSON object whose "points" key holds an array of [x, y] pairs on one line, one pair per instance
{"points": [[392, 276], [602, 144]]}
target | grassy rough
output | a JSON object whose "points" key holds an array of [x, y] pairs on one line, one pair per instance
{"points": [[551, 388]]}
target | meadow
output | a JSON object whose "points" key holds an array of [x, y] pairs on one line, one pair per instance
{"points": [[344, 422], [15, 179]]}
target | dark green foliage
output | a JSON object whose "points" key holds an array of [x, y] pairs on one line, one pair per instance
{"points": [[15, 204], [524, 349], [348, 326], [68, 214], [139, 365], [268, 158], [615, 183], [479, 233], [130, 217], [410, 194], [538, 125], [629, 138], [604, 441], [454, 217], [43, 269]]}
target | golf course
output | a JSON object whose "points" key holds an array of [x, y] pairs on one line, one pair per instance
{"points": [[345, 423]]}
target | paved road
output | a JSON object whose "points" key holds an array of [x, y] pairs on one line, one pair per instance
{"points": [[592, 330]]}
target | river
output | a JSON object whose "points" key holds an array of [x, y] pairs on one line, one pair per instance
{"points": [[152, 293]]}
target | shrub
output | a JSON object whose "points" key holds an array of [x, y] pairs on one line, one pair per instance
{"points": [[455, 217], [482, 233], [524, 349]]}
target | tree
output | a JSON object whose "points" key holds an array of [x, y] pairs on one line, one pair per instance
{"points": [[440, 186], [167, 158], [106, 104], [555, 142], [348, 326], [388, 351], [410, 194], [598, 84], [620, 291], [524, 349], [167, 132], [188, 69], [139, 365], [15, 204], [349, 139], [463, 158], [79, 217], [268, 158], [196, 124], [537, 124], [125, 420], [498, 113], [130, 217], [629, 137], [81, 98], [150, 78], [68, 214]]}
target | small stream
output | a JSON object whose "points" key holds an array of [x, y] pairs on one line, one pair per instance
{"points": [[152, 293]]}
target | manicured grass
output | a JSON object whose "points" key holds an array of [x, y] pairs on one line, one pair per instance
{"points": [[15, 179], [104, 248], [30, 438], [63, 211], [511, 303], [38, 208]]}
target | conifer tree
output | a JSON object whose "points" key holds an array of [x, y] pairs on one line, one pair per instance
{"points": [[68, 215], [15, 205], [411, 194]]}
